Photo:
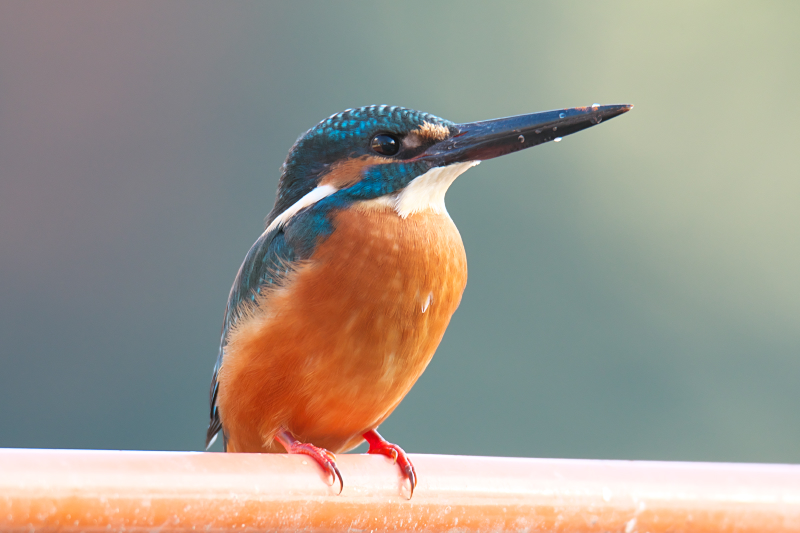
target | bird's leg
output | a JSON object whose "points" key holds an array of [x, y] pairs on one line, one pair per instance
{"points": [[379, 445], [323, 457]]}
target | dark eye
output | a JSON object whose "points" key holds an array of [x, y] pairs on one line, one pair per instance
{"points": [[385, 144]]}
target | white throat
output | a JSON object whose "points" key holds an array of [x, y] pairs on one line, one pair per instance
{"points": [[426, 192]]}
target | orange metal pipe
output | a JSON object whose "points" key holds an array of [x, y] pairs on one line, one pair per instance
{"points": [[93, 490]]}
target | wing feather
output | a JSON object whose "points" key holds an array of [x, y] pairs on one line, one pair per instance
{"points": [[266, 265]]}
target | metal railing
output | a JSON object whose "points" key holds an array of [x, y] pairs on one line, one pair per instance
{"points": [[65, 490]]}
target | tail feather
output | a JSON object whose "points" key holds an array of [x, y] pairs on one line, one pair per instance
{"points": [[214, 427], [215, 423]]}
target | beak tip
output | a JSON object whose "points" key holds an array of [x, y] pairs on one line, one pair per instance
{"points": [[611, 111]]}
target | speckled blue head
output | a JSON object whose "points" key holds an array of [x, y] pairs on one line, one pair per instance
{"points": [[347, 136]]}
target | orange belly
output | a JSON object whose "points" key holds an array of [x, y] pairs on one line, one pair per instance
{"points": [[331, 354]]}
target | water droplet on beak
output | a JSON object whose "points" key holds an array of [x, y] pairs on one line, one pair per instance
{"points": [[562, 115], [521, 138], [557, 139]]}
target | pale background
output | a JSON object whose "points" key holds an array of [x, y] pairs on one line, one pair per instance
{"points": [[634, 290]]}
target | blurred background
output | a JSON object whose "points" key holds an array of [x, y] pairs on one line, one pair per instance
{"points": [[634, 290]]}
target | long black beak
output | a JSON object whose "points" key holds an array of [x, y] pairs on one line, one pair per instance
{"points": [[478, 141]]}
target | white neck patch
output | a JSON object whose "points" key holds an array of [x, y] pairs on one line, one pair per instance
{"points": [[314, 196], [426, 192]]}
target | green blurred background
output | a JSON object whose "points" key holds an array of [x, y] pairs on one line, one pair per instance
{"points": [[634, 290]]}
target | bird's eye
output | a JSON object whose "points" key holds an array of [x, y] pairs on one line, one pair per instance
{"points": [[385, 144]]}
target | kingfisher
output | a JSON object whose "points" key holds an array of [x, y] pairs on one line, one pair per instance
{"points": [[342, 301]]}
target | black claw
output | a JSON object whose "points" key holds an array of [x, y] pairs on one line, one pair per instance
{"points": [[412, 479], [338, 475]]}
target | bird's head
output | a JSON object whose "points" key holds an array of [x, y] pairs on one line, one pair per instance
{"points": [[407, 157]]}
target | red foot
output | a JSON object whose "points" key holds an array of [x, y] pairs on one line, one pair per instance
{"points": [[323, 457], [379, 445]]}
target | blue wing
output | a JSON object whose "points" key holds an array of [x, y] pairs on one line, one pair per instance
{"points": [[267, 263]]}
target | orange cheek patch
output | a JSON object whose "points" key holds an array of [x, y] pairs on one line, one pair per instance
{"points": [[348, 172], [432, 132]]}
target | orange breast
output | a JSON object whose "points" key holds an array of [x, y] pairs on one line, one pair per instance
{"points": [[331, 354]]}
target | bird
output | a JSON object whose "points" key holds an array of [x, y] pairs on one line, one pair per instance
{"points": [[340, 304]]}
